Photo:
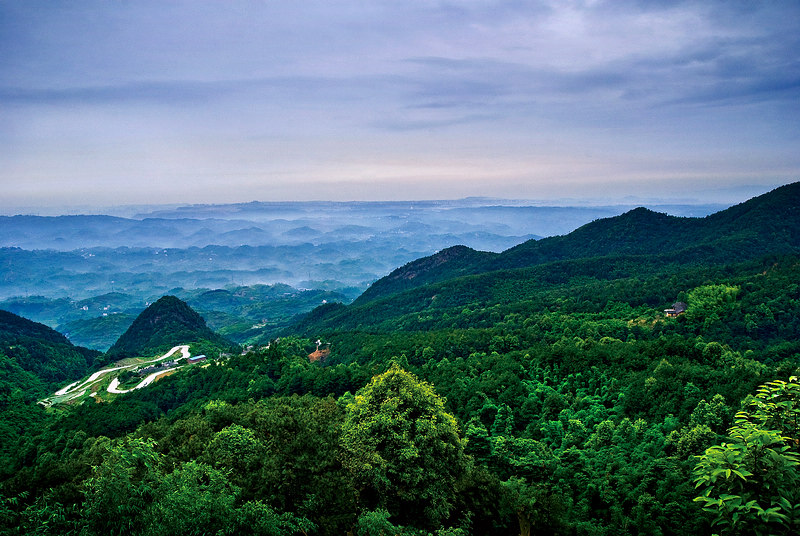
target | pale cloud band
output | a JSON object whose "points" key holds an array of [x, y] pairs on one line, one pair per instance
{"points": [[203, 101]]}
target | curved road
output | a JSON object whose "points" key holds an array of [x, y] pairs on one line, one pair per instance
{"points": [[79, 388]]}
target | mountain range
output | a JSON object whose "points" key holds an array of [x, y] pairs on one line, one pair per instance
{"points": [[639, 240], [308, 245]]}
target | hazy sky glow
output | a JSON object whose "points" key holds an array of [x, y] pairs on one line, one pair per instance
{"points": [[166, 102]]}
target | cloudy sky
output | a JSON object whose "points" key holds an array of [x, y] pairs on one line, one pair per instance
{"points": [[117, 102]]}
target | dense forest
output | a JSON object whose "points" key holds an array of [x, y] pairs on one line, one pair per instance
{"points": [[537, 393]]}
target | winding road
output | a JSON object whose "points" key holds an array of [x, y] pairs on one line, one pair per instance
{"points": [[78, 389]]}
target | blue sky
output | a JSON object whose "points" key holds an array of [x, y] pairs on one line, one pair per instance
{"points": [[117, 102]]}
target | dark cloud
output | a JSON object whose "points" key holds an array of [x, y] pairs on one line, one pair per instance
{"points": [[164, 92]]}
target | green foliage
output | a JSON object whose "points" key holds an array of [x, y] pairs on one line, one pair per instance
{"points": [[751, 483], [194, 499], [260, 519], [708, 303], [403, 449], [122, 488], [281, 454], [43, 352], [534, 505], [376, 523], [777, 406], [48, 516], [133, 491], [234, 447]]}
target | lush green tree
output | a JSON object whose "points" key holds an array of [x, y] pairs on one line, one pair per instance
{"points": [[193, 500], [708, 303], [403, 449], [535, 505], [47, 516], [236, 449], [299, 469], [751, 484], [260, 519], [122, 488]]}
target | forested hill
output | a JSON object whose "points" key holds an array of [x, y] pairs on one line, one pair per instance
{"points": [[13, 326], [766, 224], [166, 323], [446, 264], [35, 357]]}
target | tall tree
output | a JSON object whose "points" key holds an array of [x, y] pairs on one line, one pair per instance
{"points": [[404, 450]]}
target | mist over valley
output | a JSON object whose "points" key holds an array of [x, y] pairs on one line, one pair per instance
{"points": [[89, 275]]}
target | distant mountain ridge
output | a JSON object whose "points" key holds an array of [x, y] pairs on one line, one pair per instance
{"points": [[167, 322], [762, 225], [302, 244]]}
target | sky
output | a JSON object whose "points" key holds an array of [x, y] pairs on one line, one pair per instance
{"points": [[136, 102]]}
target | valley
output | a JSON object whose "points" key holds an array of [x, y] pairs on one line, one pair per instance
{"points": [[542, 388], [248, 268]]}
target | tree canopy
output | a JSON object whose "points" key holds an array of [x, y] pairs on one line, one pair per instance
{"points": [[403, 449]]}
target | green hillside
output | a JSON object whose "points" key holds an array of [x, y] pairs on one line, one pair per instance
{"points": [[446, 264], [98, 333], [14, 326], [34, 361], [166, 323], [41, 351], [757, 227], [763, 225]]}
